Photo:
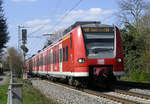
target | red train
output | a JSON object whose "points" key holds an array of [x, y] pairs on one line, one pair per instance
{"points": [[87, 52]]}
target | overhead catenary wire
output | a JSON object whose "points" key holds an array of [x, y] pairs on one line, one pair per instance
{"points": [[61, 19], [67, 13], [42, 26]]}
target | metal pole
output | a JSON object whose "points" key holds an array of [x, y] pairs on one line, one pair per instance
{"points": [[18, 37]]}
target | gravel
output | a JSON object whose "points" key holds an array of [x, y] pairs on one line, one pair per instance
{"points": [[64, 95], [142, 91]]}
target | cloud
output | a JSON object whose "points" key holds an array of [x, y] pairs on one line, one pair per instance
{"points": [[37, 22], [23, 0], [38, 25], [39, 28], [85, 15]]}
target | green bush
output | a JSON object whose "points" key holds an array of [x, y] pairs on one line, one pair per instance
{"points": [[139, 76]]}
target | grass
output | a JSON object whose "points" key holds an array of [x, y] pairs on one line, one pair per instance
{"points": [[3, 93], [34, 96], [137, 76], [30, 94]]}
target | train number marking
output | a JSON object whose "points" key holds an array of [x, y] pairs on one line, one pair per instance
{"points": [[101, 61]]}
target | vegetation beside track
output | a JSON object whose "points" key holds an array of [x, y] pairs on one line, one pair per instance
{"points": [[4, 91], [136, 39], [137, 76], [32, 95]]}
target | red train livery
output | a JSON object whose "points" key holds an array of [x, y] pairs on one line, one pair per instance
{"points": [[89, 51]]}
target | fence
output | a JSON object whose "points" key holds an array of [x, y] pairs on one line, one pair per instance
{"points": [[14, 91]]}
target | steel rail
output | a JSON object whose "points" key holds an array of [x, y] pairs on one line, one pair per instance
{"points": [[99, 94], [132, 94]]}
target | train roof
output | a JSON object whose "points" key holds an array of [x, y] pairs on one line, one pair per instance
{"points": [[69, 29], [85, 24]]}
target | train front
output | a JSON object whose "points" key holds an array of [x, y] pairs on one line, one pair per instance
{"points": [[104, 52]]}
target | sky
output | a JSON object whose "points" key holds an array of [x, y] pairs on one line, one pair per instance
{"points": [[47, 16]]}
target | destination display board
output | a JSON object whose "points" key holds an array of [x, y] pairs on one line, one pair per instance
{"points": [[98, 29]]}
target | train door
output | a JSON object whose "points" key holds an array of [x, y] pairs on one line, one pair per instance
{"points": [[60, 58]]}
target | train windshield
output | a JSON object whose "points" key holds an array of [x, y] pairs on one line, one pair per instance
{"points": [[99, 42]]}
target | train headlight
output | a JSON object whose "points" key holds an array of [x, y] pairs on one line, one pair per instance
{"points": [[81, 60], [119, 60]]}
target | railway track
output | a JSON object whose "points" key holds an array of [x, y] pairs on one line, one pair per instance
{"points": [[132, 94], [111, 97]]}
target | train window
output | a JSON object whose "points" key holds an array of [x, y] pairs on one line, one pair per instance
{"points": [[63, 54], [37, 62], [41, 60], [55, 57], [71, 42], [60, 55], [66, 53], [49, 59], [45, 60]]}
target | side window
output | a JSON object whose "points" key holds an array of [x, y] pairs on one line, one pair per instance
{"points": [[66, 53], [60, 55], [42, 60], [52, 58], [49, 58], [71, 42], [63, 54], [37, 62], [45, 59], [55, 57]]}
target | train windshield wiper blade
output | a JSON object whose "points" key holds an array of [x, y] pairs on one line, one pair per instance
{"points": [[96, 50]]}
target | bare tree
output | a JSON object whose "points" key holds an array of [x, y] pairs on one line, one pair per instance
{"points": [[131, 11], [15, 60], [145, 21]]}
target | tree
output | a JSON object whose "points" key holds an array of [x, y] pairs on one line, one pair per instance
{"points": [[3, 29], [131, 11], [15, 60], [135, 18]]}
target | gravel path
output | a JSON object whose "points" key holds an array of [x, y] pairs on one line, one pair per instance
{"points": [[64, 95], [3, 78]]}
